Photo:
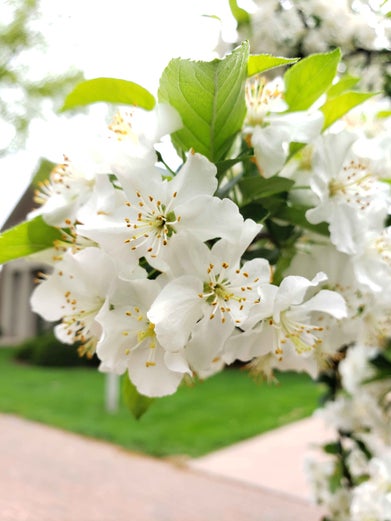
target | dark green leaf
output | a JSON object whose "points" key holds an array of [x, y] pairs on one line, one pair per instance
{"points": [[255, 211], [109, 90], [257, 188], [332, 448], [137, 403], [283, 262], [364, 448], [258, 63], [296, 215], [27, 238], [335, 480], [308, 79], [223, 166], [209, 97]]}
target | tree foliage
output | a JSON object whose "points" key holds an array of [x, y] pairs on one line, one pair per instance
{"points": [[23, 90]]}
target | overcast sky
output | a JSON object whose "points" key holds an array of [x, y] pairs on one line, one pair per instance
{"points": [[129, 39]]}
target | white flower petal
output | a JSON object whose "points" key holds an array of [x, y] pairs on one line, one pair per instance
{"points": [[196, 177], [208, 337], [210, 217], [302, 126], [175, 312], [153, 380], [270, 148], [292, 291], [250, 344], [231, 250], [325, 301]]}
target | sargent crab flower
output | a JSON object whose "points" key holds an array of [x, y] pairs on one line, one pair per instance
{"points": [[351, 198], [63, 193], [209, 294], [372, 498], [133, 135], [271, 130], [129, 341], [271, 143], [74, 293], [372, 265], [294, 335], [156, 209], [128, 147]]}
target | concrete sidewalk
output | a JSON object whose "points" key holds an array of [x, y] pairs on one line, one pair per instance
{"points": [[273, 460], [50, 475]]}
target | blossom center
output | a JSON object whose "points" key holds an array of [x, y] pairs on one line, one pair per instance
{"points": [[121, 127], [63, 182], [77, 322], [383, 247], [301, 335], [259, 96], [152, 223], [142, 332], [355, 184], [223, 295]]}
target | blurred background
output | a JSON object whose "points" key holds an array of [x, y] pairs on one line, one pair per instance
{"points": [[47, 47]]}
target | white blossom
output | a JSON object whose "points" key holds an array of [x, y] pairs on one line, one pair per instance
{"points": [[155, 209], [291, 338], [129, 343], [207, 296], [351, 199], [74, 293], [371, 500], [271, 130]]}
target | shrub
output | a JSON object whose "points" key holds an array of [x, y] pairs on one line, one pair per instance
{"points": [[46, 350]]}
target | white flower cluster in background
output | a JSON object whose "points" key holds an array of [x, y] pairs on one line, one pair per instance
{"points": [[354, 484], [342, 176], [360, 28]]}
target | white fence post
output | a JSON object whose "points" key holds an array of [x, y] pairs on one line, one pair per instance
{"points": [[112, 392]]}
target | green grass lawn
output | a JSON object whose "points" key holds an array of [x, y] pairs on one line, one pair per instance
{"points": [[222, 410]]}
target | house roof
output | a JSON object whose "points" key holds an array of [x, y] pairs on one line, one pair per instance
{"points": [[26, 201]]}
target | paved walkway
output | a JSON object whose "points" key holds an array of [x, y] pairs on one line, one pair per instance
{"points": [[50, 475], [274, 460]]}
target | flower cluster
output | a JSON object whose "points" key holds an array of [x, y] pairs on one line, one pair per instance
{"points": [[341, 179], [301, 27], [268, 243], [151, 275], [354, 481]]}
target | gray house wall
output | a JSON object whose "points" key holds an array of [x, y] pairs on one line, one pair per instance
{"points": [[17, 321]]}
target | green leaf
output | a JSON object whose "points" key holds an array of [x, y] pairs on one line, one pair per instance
{"points": [[257, 188], [258, 63], [384, 114], [42, 173], [137, 403], [336, 107], [347, 82], [333, 447], [308, 79], [109, 90], [222, 166], [210, 99], [296, 215], [240, 15], [27, 238], [336, 478]]}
